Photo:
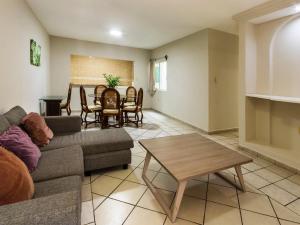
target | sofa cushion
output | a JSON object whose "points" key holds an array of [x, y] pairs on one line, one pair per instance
{"points": [[94, 142], [15, 115], [59, 209], [4, 124], [37, 129], [18, 141], [56, 186], [59, 163], [15, 181]]}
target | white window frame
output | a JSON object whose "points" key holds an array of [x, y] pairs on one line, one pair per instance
{"points": [[162, 84]]}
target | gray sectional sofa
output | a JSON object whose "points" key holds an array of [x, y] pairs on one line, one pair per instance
{"points": [[58, 177]]}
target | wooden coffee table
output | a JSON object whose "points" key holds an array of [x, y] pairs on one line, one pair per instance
{"points": [[188, 156]]}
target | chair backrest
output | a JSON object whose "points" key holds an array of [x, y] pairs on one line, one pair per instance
{"points": [[139, 102], [130, 94], [69, 94], [83, 98], [98, 91], [110, 99]]}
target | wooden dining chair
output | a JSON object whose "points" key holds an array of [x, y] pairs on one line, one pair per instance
{"points": [[67, 105], [85, 108], [110, 107], [130, 96], [136, 109], [98, 91]]}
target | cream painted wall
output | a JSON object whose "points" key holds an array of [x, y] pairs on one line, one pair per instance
{"points": [[18, 77], [187, 96], [223, 80], [202, 80], [61, 50]]}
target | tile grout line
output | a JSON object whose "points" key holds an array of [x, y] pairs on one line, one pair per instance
{"points": [[137, 203], [274, 209], [239, 205], [205, 205]]}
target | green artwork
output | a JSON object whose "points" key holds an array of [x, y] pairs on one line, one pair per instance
{"points": [[35, 53]]}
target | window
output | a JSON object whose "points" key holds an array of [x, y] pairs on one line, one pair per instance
{"points": [[160, 72]]}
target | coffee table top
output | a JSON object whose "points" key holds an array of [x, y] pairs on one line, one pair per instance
{"points": [[190, 155]]}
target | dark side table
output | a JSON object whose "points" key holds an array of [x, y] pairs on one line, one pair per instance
{"points": [[52, 105]]}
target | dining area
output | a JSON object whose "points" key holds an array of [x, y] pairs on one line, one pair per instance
{"points": [[107, 106]]}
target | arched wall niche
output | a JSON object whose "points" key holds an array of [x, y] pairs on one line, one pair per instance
{"points": [[284, 63]]}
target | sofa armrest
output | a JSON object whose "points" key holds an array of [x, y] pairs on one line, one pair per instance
{"points": [[64, 124], [63, 208]]}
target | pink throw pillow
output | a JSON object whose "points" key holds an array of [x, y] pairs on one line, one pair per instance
{"points": [[18, 142], [37, 129]]}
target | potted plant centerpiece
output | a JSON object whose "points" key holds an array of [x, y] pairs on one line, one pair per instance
{"points": [[112, 81]]}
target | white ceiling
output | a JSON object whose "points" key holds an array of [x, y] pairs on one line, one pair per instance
{"points": [[145, 23]]}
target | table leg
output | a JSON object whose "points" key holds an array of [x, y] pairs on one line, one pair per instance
{"points": [[238, 171], [146, 163], [178, 199]]}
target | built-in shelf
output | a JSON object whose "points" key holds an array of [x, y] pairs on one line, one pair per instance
{"points": [[275, 98], [290, 158]]}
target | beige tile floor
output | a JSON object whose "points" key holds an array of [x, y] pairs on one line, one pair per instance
{"points": [[116, 196]]}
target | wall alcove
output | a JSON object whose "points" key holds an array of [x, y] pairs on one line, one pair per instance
{"points": [[270, 82], [285, 59]]}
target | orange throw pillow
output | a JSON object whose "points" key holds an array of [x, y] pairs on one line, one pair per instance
{"points": [[37, 129], [15, 181]]}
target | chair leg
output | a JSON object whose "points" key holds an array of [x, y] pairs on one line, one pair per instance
{"points": [[81, 116], [68, 110], [85, 119], [142, 117], [137, 119]]}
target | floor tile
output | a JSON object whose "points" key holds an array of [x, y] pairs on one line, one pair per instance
{"points": [[178, 222], [295, 179], [87, 215], [285, 213], [141, 216], [268, 175], [192, 209], [95, 175], [255, 180], [203, 178], [104, 185], [250, 218], [289, 187], [224, 195], [112, 212], [86, 194], [259, 203], [196, 188], [284, 222], [148, 201], [217, 214], [165, 181], [136, 175], [136, 160], [262, 162], [295, 206], [153, 165], [252, 166], [97, 200], [214, 179], [120, 173], [280, 171], [278, 194], [232, 170], [129, 192]]}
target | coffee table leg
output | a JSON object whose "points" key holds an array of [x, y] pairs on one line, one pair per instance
{"points": [[238, 171], [146, 163], [178, 199]]}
